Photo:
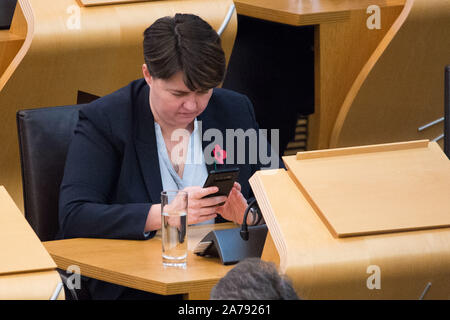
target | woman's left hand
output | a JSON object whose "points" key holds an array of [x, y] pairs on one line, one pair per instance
{"points": [[235, 206]]}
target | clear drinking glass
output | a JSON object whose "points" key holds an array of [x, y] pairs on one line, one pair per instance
{"points": [[174, 206]]}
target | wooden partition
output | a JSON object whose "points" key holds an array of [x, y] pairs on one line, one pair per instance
{"points": [[341, 50], [401, 87], [26, 269], [368, 222], [343, 45], [56, 49], [10, 44]]}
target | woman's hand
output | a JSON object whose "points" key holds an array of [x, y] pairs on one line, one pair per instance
{"points": [[199, 209], [235, 206]]}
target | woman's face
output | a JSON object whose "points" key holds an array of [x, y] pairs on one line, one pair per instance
{"points": [[173, 105]]}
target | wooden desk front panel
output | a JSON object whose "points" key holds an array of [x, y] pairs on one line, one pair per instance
{"points": [[26, 269], [30, 286], [324, 267], [20, 248]]}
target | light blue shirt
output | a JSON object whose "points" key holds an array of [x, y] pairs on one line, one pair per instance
{"points": [[195, 171]]}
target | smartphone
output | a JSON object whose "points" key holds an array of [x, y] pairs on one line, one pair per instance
{"points": [[223, 179]]}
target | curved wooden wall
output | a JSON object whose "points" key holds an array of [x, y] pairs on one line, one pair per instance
{"points": [[401, 87], [58, 58], [342, 48]]}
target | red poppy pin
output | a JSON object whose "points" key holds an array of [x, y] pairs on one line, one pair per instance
{"points": [[219, 155]]}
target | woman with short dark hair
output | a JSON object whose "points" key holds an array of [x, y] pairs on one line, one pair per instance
{"points": [[188, 44], [148, 136]]}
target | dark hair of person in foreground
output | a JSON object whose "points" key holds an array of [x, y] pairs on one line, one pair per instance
{"points": [[254, 279]]}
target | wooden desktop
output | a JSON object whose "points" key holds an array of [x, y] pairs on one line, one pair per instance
{"points": [[138, 264]]}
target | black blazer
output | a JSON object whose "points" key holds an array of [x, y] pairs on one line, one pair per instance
{"points": [[112, 174]]}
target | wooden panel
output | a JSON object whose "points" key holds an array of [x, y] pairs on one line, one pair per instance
{"points": [[138, 264], [6, 35], [91, 3], [341, 51], [9, 46], [306, 12], [324, 267], [198, 295], [361, 150], [69, 48], [20, 248], [270, 252], [369, 193], [401, 86], [26, 269], [30, 286]]}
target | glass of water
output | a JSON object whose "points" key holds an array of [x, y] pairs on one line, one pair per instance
{"points": [[174, 206]]}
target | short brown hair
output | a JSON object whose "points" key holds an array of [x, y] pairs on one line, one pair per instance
{"points": [[185, 43]]}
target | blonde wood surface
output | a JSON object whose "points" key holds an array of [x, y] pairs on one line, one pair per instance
{"points": [[98, 55], [373, 192], [26, 269], [198, 295], [12, 40], [341, 51], [306, 12], [30, 286], [90, 3], [138, 264], [6, 36], [324, 267], [20, 248], [10, 44], [361, 149], [401, 86], [270, 252]]}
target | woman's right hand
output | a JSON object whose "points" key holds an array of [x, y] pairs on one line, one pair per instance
{"points": [[202, 209]]}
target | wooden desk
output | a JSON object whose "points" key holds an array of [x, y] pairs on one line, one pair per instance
{"points": [[323, 265], [26, 269], [138, 264], [343, 44]]}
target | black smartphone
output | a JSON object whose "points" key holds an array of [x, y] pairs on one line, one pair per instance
{"points": [[223, 179]]}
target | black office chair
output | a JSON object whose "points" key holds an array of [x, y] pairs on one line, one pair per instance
{"points": [[44, 137], [447, 112]]}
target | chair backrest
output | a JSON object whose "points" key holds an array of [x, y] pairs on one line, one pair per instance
{"points": [[44, 137], [447, 112]]}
